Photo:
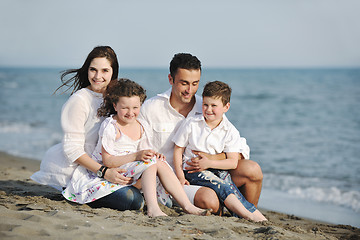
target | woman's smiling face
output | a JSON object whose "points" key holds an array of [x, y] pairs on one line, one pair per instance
{"points": [[99, 74]]}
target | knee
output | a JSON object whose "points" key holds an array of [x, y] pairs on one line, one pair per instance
{"points": [[206, 198], [254, 172], [136, 200]]}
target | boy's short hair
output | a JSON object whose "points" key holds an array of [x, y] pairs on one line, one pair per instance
{"points": [[185, 61], [217, 89]]}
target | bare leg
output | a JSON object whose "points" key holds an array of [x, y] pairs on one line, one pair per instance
{"points": [[149, 189], [248, 177], [233, 204], [172, 185], [206, 198]]}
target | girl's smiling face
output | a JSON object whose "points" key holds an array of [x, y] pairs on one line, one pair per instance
{"points": [[99, 74], [127, 109]]}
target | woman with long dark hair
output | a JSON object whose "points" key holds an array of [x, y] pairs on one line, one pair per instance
{"points": [[80, 125]]}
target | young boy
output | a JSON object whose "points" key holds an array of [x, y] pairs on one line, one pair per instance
{"points": [[213, 133]]}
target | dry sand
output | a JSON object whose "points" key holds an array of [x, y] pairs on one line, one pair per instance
{"points": [[32, 211]]}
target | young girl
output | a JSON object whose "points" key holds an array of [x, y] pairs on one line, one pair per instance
{"points": [[123, 142]]}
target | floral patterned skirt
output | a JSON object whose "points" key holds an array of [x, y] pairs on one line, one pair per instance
{"points": [[86, 187]]}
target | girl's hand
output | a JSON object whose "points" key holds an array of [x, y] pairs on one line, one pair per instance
{"points": [[115, 175], [160, 157], [145, 155], [183, 181]]}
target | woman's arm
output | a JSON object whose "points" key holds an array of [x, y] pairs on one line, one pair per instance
{"points": [[113, 175]]}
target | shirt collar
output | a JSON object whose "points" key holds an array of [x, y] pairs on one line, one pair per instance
{"points": [[197, 109], [165, 94], [223, 124]]}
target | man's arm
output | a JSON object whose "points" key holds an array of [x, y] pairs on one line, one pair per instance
{"points": [[218, 161]]}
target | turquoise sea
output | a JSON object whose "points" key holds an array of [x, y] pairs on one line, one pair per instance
{"points": [[302, 126]]}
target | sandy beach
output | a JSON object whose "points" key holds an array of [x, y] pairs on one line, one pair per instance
{"points": [[32, 211]]}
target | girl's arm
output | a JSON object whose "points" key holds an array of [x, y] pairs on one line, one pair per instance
{"points": [[112, 161], [117, 161], [178, 164]]}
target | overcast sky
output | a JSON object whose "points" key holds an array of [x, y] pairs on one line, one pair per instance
{"points": [[236, 33]]}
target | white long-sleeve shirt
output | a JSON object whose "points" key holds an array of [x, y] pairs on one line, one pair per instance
{"points": [[80, 126], [80, 123]]}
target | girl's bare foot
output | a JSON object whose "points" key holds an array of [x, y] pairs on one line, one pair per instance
{"points": [[155, 213], [191, 209]]}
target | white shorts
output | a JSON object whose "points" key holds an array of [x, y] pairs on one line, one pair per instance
{"points": [[190, 191]]}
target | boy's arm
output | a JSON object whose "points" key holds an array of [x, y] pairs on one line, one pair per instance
{"points": [[178, 164]]}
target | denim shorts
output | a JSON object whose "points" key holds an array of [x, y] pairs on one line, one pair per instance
{"points": [[219, 181]]}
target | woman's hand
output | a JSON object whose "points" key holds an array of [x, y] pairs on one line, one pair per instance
{"points": [[115, 175]]}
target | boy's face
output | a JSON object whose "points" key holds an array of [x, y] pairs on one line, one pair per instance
{"points": [[213, 109], [184, 85], [127, 108]]}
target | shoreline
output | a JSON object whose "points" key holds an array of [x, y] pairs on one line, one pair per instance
{"points": [[32, 210]]}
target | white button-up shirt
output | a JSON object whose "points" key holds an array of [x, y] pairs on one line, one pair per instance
{"points": [[195, 134], [164, 120]]}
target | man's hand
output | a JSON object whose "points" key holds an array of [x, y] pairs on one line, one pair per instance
{"points": [[199, 163]]}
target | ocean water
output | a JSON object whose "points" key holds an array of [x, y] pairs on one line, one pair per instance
{"points": [[302, 126]]}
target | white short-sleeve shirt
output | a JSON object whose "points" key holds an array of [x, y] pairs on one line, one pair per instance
{"points": [[164, 122], [195, 134]]}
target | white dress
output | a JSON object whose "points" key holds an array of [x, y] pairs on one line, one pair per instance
{"points": [[86, 187]]}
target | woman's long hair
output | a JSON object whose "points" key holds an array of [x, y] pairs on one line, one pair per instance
{"points": [[80, 79]]}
